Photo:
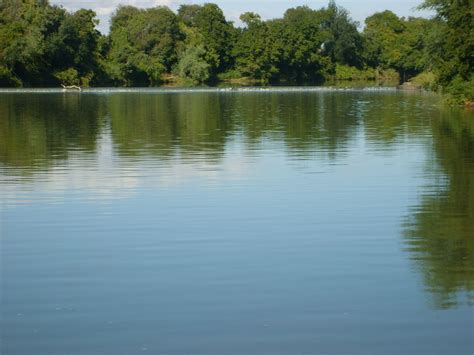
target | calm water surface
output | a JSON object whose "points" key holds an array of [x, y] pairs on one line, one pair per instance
{"points": [[236, 222]]}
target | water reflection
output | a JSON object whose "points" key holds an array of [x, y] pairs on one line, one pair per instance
{"points": [[163, 125], [108, 146], [37, 130], [440, 231]]}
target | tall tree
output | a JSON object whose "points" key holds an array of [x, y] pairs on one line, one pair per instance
{"points": [[38, 40], [256, 51], [302, 37], [74, 49], [344, 44], [217, 35], [193, 66], [143, 44], [454, 50], [382, 34], [188, 13]]}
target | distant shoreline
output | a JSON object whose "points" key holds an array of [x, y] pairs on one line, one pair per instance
{"points": [[202, 89]]}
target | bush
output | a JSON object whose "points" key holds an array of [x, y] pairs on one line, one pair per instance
{"points": [[425, 80], [230, 75], [69, 76], [387, 75], [146, 67], [460, 92], [344, 72], [193, 66]]}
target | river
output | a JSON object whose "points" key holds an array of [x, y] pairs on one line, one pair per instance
{"points": [[243, 221]]}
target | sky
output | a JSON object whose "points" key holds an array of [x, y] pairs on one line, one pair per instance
{"points": [[267, 9]]}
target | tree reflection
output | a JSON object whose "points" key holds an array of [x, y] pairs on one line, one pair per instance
{"points": [[40, 131], [200, 125], [37, 130], [440, 231], [163, 125], [393, 118], [308, 124]]}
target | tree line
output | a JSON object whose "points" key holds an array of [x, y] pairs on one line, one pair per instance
{"points": [[45, 45]]}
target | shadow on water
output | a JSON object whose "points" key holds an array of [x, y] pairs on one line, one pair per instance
{"points": [[439, 233]]}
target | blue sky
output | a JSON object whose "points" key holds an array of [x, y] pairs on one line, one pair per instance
{"points": [[359, 9]]}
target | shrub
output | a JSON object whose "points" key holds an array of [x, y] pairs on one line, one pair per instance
{"points": [[344, 72], [460, 91], [193, 66], [69, 76], [425, 80]]}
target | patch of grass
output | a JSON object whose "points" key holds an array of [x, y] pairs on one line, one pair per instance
{"points": [[230, 75], [344, 72], [425, 80]]}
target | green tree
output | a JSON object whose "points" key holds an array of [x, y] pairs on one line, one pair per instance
{"points": [[217, 35], [415, 58], [452, 48], [382, 35], [301, 37], [38, 40], [344, 44], [399, 43], [143, 44], [43, 44], [188, 13], [24, 26], [75, 46], [256, 51], [193, 66]]}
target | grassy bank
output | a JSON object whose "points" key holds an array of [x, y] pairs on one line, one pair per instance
{"points": [[344, 72], [457, 92]]}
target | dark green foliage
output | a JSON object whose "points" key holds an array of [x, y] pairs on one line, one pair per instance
{"points": [[460, 90], [76, 46], [7, 78], [193, 66], [289, 49], [415, 58], [399, 43], [187, 14], [256, 51], [44, 45], [301, 36], [344, 72], [344, 44], [452, 47], [217, 37], [382, 33], [37, 40], [142, 45]]}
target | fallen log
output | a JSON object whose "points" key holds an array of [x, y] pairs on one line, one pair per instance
{"points": [[71, 87]]}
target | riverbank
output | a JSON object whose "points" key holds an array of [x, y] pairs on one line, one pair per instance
{"points": [[457, 92], [173, 83]]}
